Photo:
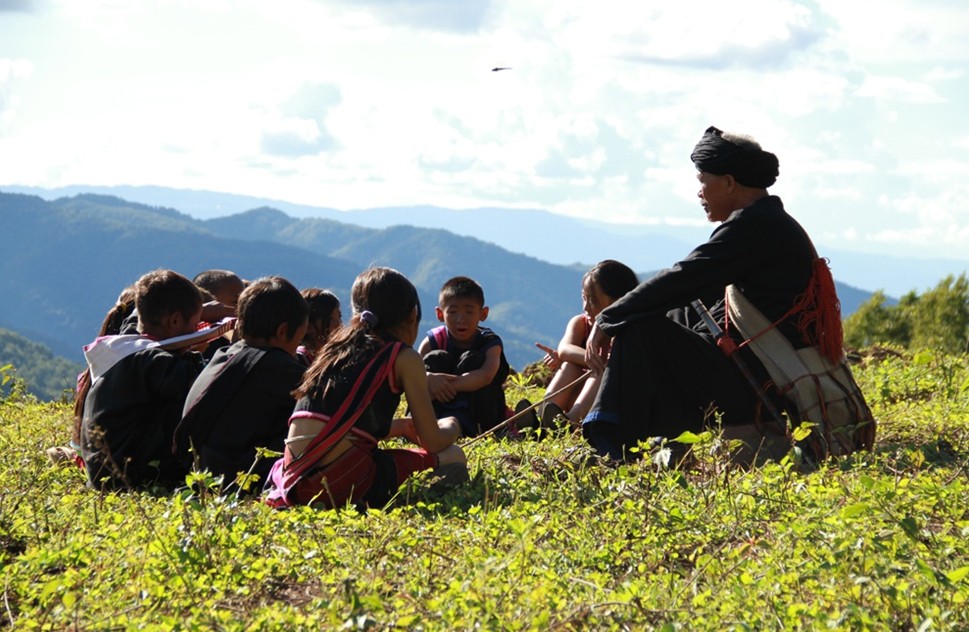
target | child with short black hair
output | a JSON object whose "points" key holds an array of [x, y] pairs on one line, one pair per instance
{"points": [[138, 387], [220, 295], [465, 363], [242, 399], [325, 318], [348, 401], [225, 286]]}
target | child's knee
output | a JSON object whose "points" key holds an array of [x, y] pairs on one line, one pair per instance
{"points": [[451, 454], [439, 361], [470, 360], [450, 425]]}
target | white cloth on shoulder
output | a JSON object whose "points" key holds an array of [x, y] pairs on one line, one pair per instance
{"points": [[106, 351]]}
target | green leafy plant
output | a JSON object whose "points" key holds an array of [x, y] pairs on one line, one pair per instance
{"points": [[544, 536]]}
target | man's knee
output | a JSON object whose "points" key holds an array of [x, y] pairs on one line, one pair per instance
{"points": [[604, 439]]}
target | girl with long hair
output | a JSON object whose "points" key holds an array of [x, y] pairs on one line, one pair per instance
{"points": [[347, 403]]}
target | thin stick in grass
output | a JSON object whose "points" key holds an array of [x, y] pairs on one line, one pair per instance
{"points": [[523, 412]]}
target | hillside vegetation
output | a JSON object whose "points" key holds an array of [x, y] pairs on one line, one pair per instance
{"points": [[44, 375], [542, 537], [936, 319]]}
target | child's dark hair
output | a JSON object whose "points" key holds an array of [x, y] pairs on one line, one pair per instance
{"points": [[460, 287], [163, 292], [382, 299], [214, 281], [613, 278], [111, 325], [321, 303], [268, 303]]}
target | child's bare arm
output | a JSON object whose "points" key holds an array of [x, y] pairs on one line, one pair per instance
{"points": [[597, 350], [404, 427], [479, 378], [214, 311], [440, 386], [431, 435], [572, 346], [551, 359], [425, 347]]}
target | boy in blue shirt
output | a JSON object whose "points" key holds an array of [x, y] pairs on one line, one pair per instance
{"points": [[465, 363]]}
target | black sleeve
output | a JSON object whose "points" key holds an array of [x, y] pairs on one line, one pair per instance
{"points": [[729, 255]]}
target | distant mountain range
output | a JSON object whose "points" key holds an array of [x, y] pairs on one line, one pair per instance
{"points": [[540, 234], [64, 262]]}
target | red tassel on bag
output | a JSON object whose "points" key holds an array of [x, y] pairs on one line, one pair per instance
{"points": [[820, 312]]}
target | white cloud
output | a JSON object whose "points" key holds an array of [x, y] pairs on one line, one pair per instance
{"points": [[940, 74], [751, 32], [939, 171], [440, 15], [896, 88], [839, 193], [294, 137], [350, 104], [14, 69], [11, 71], [924, 236], [904, 31], [839, 167]]}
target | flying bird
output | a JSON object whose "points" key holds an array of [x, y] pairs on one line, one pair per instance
{"points": [[497, 68]]}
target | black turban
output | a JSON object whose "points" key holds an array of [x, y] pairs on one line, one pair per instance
{"points": [[749, 166]]}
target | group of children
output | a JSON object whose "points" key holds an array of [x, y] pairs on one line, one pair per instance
{"points": [[170, 387]]}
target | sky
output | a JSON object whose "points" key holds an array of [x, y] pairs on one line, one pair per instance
{"points": [[367, 103]]}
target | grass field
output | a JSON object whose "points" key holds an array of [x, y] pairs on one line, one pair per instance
{"points": [[540, 538]]}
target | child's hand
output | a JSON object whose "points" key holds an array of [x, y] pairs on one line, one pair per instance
{"points": [[597, 350], [440, 388], [404, 427], [551, 359], [408, 430]]}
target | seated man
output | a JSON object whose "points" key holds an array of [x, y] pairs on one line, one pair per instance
{"points": [[138, 388], [665, 373], [242, 400], [466, 365]]}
